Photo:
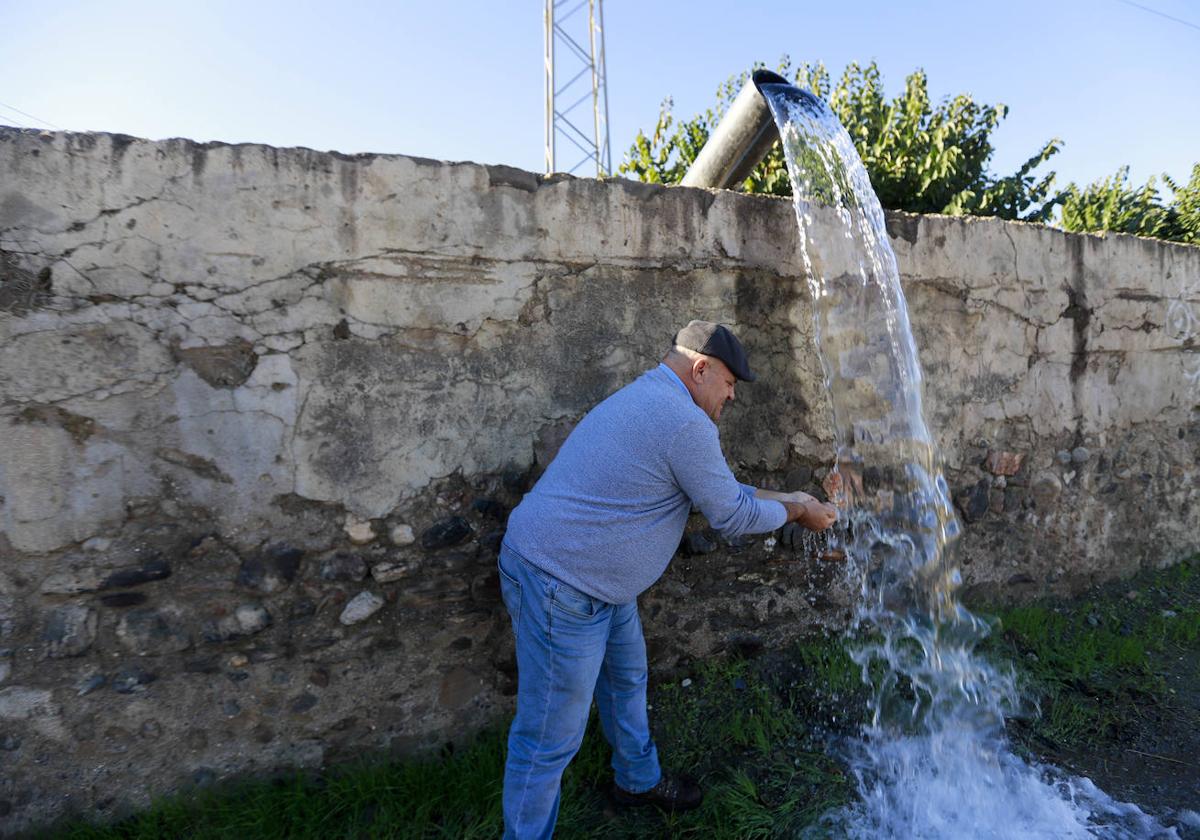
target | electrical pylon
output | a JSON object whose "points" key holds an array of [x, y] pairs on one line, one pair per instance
{"points": [[567, 31]]}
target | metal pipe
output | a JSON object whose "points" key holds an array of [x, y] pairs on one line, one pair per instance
{"points": [[742, 138]]}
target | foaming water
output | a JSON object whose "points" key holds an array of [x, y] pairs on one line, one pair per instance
{"points": [[933, 761]]}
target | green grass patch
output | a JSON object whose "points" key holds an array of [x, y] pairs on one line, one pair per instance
{"points": [[450, 794], [1096, 666]]}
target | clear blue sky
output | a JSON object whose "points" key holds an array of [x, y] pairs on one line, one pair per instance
{"points": [[463, 80]]}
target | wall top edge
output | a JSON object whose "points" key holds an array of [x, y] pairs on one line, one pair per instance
{"points": [[900, 222]]}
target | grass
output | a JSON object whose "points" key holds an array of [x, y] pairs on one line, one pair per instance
{"points": [[754, 731], [448, 795], [1096, 667]]}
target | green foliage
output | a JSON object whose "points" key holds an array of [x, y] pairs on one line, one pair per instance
{"points": [[1113, 204], [450, 794], [1116, 205], [1186, 207], [920, 157], [1096, 667]]}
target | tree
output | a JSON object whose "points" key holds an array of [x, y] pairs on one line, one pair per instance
{"points": [[1113, 204], [919, 157], [1186, 207]]}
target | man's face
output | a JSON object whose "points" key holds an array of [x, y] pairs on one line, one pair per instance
{"points": [[714, 385]]}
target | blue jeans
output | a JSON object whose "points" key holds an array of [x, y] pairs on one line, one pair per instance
{"points": [[570, 646]]}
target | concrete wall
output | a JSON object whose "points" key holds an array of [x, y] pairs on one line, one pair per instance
{"points": [[263, 413]]}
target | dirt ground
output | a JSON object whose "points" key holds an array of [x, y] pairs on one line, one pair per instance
{"points": [[1140, 740]]}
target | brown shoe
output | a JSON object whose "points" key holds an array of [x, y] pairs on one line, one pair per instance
{"points": [[672, 793]]}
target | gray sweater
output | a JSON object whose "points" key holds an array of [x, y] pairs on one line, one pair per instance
{"points": [[608, 514]]}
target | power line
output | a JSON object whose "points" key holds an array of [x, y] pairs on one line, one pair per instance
{"points": [[13, 121], [31, 116], [1160, 14]]}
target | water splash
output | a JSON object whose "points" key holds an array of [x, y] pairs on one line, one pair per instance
{"points": [[934, 761]]}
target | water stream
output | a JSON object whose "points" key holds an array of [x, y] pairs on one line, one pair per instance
{"points": [[933, 760]]}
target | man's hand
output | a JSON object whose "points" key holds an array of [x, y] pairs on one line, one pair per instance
{"points": [[803, 508], [813, 515], [798, 496]]}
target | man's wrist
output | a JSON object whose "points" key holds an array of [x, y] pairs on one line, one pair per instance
{"points": [[795, 510]]}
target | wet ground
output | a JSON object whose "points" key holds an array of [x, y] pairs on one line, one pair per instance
{"points": [[1129, 718]]}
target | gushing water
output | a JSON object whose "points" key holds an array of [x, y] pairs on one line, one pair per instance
{"points": [[934, 761]]}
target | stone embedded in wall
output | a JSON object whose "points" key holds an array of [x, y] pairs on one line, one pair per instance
{"points": [[402, 535], [975, 501], [446, 533], [243, 620], [79, 577], [361, 607], [996, 501], [696, 543], [154, 631], [458, 688], [390, 571], [271, 570], [121, 600], [798, 477], [132, 679], [151, 570], [360, 531], [203, 467], [222, 366], [69, 630], [1004, 463], [833, 486], [791, 535], [36, 706], [20, 703], [1045, 490], [302, 703], [343, 566], [90, 683]]}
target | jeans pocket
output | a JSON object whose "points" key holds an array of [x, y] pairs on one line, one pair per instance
{"points": [[570, 600], [510, 591]]}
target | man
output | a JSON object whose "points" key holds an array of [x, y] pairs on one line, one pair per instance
{"points": [[597, 530]]}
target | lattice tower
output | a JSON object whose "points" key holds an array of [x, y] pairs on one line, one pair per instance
{"points": [[575, 53]]}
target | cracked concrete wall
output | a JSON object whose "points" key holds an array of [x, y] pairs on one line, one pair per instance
{"points": [[263, 413]]}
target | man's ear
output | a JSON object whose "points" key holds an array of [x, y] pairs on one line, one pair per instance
{"points": [[699, 366]]}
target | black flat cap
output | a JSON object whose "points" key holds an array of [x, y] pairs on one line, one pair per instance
{"points": [[716, 340]]}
